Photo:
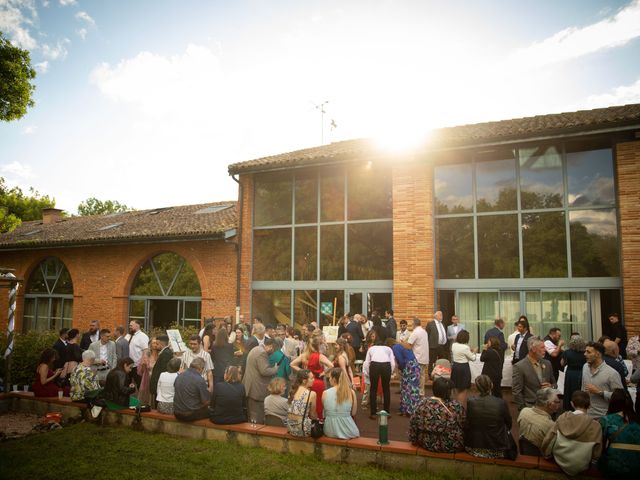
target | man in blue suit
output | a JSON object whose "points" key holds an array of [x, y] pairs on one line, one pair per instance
{"points": [[454, 329], [498, 332]]}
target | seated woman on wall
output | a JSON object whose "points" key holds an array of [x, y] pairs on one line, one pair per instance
{"points": [[228, 400], [488, 422], [84, 382], [166, 389], [621, 434], [275, 404], [302, 404], [340, 406], [118, 385], [437, 423], [45, 382]]}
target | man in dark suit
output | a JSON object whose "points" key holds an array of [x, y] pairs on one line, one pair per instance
{"points": [[61, 347], [520, 348], [531, 374], [354, 327], [392, 326], [498, 332], [437, 340], [93, 335], [161, 364]]}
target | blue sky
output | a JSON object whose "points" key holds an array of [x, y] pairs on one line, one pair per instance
{"points": [[147, 102]]}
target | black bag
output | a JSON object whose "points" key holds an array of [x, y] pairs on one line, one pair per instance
{"points": [[317, 429], [511, 453]]}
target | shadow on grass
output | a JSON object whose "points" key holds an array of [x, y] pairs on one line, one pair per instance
{"points": [[93, 452]]}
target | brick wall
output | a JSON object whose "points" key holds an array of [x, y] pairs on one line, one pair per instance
{"points": [[246, 258], [413, 279], [628, 174], [102, 277]]}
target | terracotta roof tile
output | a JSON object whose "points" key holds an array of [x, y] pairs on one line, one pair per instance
{"points": [[188, 221], [463, 135]]}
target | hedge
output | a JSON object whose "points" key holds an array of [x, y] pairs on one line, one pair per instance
{"points": [[28, 347]]}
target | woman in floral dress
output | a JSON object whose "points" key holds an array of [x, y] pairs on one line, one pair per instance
{"points": [[302, 404], [409, 378], [437, 423]]}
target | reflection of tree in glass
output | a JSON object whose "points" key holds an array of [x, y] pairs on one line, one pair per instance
{"points": [[305, 267], [498, 255], [593, 254], [507, 200], [444, 209], [532, 200], [454, 248], [272, 254], [167, 266], [369, 193], [272, 204], [332, 252], [370, 251], [544, 245]]}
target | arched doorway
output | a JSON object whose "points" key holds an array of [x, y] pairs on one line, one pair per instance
{"points": [[48, 298], [165, 292]]}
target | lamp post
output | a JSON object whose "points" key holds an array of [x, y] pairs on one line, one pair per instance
{"points": [[383, 428]]}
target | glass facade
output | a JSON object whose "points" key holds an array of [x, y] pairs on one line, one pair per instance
{"points": [[527, 230], [48, 302], [332, 233]]}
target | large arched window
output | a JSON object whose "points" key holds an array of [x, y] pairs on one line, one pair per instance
{"points": [[165, 292], [48, 299]]}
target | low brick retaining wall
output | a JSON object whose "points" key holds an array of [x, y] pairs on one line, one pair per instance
{"points": [[363, 451]]}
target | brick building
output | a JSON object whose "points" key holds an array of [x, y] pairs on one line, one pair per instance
{"points": [[162, 266], [537, 216]]}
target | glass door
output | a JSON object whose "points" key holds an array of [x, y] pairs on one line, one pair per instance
{"points": [[367, 302]]}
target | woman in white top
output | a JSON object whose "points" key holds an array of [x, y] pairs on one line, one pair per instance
{"points": [[378, 365], [165, 387], [461, 355]]}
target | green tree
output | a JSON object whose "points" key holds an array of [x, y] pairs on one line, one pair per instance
{"points": [[93, 206], [18, 207], [16, 73]]}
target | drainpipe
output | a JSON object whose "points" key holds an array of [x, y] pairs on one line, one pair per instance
{"points": [[238, 247]]}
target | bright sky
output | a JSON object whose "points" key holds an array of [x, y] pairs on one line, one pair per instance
{"points": [[147, 102]]}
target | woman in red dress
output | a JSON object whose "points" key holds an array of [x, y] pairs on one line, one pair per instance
{"points": [[45, 382], [317, 363]]}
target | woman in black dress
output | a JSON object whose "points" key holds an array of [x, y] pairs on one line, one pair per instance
{"points": [[492, 364], [573, 358], [221, 354]]}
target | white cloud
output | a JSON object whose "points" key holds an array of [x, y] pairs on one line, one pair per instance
{"points": [[42, 67], [621, 95], [29, 130], [18, 169], [85, 17], [16, 19], [57, 51], [66, 3], [82, 33], [45, 3], [574, 42]]}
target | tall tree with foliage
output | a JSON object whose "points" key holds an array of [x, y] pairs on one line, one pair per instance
{"points": [[93, 206], [16, 206], [16, 74]]}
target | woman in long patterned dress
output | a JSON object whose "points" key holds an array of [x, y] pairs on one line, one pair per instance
{"points": [[317, 363], [145, 367], [437, 424], [409, 378]]}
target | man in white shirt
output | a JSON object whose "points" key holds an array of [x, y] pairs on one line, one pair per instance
{"points": [[195, 351], [106, 358], [138, 342], [418, 342], [403, 334]]}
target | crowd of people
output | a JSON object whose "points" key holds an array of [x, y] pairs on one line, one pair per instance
{"points": [[277, 375]]}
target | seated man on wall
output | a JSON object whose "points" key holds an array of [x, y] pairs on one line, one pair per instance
{"points": [[534, 422], [191, 398]]}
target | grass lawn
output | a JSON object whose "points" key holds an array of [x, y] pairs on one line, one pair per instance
{"points": [[87, 451]]}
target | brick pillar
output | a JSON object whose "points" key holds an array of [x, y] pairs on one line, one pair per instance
{"points": [[628, 175], [247, 244], [413, 280]]}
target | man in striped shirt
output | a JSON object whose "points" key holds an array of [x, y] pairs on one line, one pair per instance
{"points": [[196, 351]]}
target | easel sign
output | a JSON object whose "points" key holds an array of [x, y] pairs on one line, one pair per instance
{"points": [[330, 333], [175, 341]]}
